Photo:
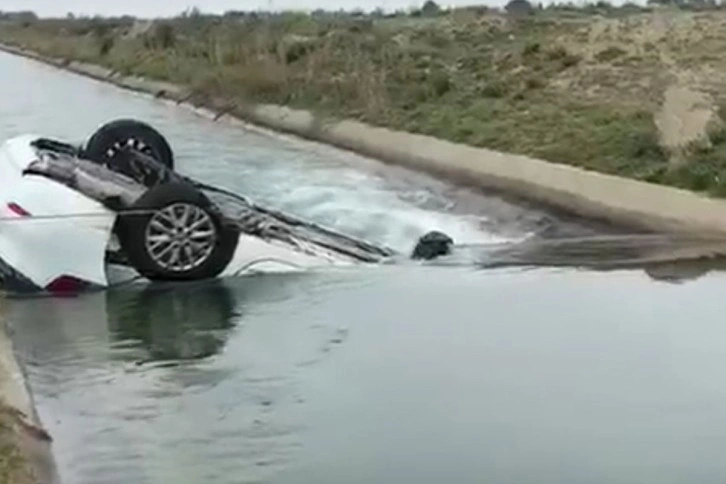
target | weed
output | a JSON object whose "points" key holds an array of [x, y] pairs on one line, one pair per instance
{"points": [[531, 48], [493, 90], [534, 83], [609, 54], [557, 53], [106, 44], [440, 82]]}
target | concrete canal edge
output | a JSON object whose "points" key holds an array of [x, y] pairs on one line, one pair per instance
{"points": [[19, 419], [573, 190]]}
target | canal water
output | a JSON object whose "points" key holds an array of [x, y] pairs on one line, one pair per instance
{"points": [[395, 374]]}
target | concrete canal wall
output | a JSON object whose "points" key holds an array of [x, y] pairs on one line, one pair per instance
{"points": [[573, 190], [27, 457]]}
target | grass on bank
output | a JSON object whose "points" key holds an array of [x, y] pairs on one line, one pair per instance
{"points": [[522, 85]]}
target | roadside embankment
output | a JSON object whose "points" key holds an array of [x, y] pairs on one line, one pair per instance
{"points": [[25, 448], [636, 92], [575, 190]]}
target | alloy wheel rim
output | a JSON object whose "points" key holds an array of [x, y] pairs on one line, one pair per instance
{"points": [[180, 237]]}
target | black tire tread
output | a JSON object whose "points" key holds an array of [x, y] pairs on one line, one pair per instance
{"points": [[109, 133]]}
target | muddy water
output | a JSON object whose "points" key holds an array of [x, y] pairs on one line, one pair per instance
{"points": [[386, 374]]}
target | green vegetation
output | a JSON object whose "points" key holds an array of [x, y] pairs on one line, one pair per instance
{"points": [[574, 85], [706, 169]]}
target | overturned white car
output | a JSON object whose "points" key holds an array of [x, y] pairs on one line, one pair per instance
{"points": [[75, 217]]}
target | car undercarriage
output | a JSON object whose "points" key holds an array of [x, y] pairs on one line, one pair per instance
{"points": [[165, 225]]}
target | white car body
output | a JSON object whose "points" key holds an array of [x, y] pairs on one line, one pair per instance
{"points": [[43, 243], [50, 232]]}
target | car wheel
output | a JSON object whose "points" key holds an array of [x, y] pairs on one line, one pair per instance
{"points": [[112, 138], [174, 233]]}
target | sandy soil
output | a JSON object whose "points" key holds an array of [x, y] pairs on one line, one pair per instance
{"points": [[673, 58], [13, 465], [25, 453]]}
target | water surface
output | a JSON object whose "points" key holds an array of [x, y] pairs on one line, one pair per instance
{"points": [[419, 375]]}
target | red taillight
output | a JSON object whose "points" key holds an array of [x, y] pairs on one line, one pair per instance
{"points": [[66, 285], [18, 210]]}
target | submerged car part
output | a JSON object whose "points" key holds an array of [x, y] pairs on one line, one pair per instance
{"points": [[432, 245], [112, 204]]}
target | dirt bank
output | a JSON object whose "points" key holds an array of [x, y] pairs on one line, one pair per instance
{"points": [[25, 448], [625, 91]]}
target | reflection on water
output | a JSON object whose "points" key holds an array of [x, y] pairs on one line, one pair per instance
{"points": [[136, 385], [605, 251], [173, 322], [416, 374], [679, 272], [663, 257]]}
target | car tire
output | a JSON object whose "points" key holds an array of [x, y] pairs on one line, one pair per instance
{"points": [[103, 146], [174, 233]]}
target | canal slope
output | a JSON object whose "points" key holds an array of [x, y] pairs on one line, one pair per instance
{"points": [[25, 447]]}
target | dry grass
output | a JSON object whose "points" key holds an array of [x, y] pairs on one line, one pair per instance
{"points": [[14, 468], [570, 88]]}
